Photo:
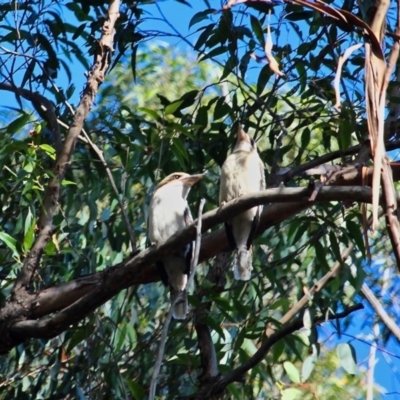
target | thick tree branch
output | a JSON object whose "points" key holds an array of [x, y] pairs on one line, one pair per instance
{"points": [[134, 270], [98, 288]]}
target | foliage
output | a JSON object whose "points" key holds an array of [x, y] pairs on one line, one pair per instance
{"points": [[163, 109]]}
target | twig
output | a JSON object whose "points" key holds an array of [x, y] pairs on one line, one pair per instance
{"points": [[164, 333], [41, 104], [286, 176], [197, 246], [315, 289], [288, 328], [115, 189], [160, 353], [382, 314]]}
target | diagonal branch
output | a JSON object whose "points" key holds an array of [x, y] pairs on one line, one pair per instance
{"points": [[42, 106], [52, 193], [382, 314], [132, 271], [271, 331], [220, 384], [90, 292]]}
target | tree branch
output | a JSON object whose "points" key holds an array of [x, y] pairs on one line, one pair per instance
{"points": [[140, 269], [163, 339], [382, 314], [236, 375], [52, 193], [90, 292], [42, 106]]}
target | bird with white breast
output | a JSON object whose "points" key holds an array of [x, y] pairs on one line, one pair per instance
{"points": [[242, 173], [169, 213]]}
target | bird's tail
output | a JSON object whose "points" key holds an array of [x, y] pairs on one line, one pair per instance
{"points": [[180, 305], [242, 264]]}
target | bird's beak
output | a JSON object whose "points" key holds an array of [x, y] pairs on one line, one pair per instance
{"points": [[192, 179], [241, 135]]}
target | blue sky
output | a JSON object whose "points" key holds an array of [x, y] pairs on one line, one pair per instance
{"points": [[388, 364]]}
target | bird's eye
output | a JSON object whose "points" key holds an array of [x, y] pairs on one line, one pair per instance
{"points": [[176, 176]]}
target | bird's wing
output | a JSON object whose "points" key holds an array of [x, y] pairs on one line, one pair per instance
{"points": [[254, 226], [148, 241], [187, 216], [229, 235], [162, 272], [256, 218]]}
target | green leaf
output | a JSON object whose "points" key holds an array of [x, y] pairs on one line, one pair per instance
{"points": [[66, 182], [150, 113], [50, 151], [79, 30], [119, 338], [171, 108], [307, 368], [321, 256], [136, 390], [213, 53], [257, 29], [200, 16], [78, 336], [292, 394], [335, 246], [305, 138], [347, 357], [292, 372], [263, 78], [277, 350], [204, 36], [16, 125], [9, 241], [29, 231], [355, 233]]}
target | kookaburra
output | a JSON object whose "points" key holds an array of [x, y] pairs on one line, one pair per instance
{"points": [[242, 173], [169, 213]]}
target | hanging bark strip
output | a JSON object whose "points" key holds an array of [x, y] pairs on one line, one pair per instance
{"points": [[342, 60]]}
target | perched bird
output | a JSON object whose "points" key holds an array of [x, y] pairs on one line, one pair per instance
{"points": [[169, 213], [242, 173]]}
